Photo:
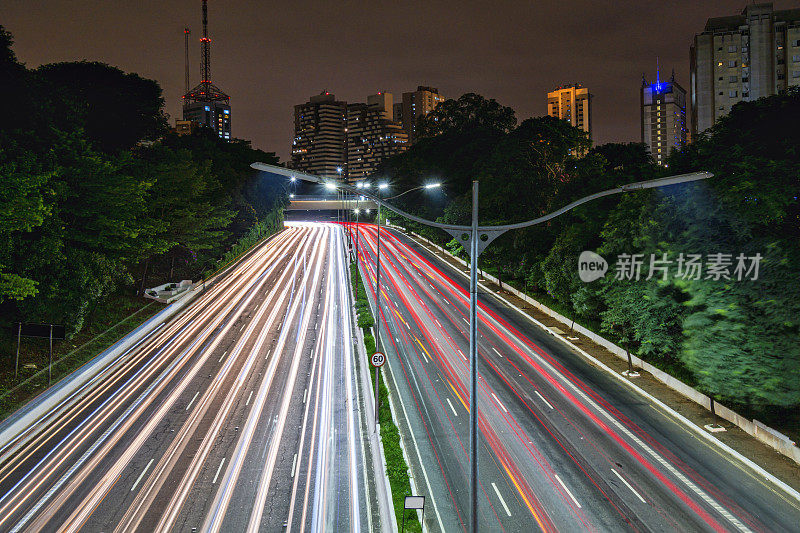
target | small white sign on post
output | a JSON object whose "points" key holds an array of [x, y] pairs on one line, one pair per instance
{"points": [[378, 359], [415, 502]]}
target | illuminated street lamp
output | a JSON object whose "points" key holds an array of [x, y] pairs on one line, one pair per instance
{"points": [[475, 239]]}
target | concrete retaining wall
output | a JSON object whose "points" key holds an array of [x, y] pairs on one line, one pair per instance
{"points": [[763, 433]]}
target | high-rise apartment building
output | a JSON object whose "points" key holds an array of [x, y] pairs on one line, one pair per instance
{"points": [[372, 135], [320, 137], [742, 57], [572, 103], [416, 104], [663, 113]]}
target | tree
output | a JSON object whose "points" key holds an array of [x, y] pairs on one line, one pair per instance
{"points": [[91, 233], [15, 97], [115, 110], [470, 111]]}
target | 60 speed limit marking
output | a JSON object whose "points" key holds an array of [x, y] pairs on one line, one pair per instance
{"points": [[378, 359]]}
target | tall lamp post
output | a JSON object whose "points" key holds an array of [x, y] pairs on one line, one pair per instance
{"points": [[476, 238]]}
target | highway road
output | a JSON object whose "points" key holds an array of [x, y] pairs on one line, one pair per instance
{"points": [[563, 445], [242, 413]]}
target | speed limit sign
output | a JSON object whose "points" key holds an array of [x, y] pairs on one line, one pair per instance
{"points": [[378, 359]]}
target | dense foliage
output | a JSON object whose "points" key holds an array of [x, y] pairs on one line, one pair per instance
{"points": [[99, 195], [738, 340]]}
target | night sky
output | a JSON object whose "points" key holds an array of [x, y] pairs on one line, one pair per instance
{"points": [[271, 55]]}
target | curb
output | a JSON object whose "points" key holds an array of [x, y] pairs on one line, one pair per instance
{"points": [[386, 504]]}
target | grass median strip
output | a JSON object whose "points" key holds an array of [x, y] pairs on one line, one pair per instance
{"points": [[396, 466]]}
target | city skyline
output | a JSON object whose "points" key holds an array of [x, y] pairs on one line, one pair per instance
{"points": [[507, 54]]}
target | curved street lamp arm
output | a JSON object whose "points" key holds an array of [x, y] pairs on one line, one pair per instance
{"points": [[639, 185], [405, 192]]}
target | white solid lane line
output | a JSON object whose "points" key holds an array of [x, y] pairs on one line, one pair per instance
{"points": [[628, 485], [499, 402], [508, 512], [188, 405], [138, 479], [568, 491], [218, 469], [543, 399], [451, 406]]}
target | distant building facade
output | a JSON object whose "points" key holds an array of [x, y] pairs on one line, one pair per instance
{"points": [[348, 141], [214, 114], [414, 105], [185, 127], [320, 140], [572, 103], [372, 135], [663, 117], [741, 58]]}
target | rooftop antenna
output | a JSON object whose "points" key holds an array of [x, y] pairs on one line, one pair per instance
{"points": [[658, 75], [205, 91], [205, 46], [186, 33]]}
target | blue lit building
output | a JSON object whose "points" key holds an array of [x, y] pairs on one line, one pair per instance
{"points": [[215, 115], [663, 110]]}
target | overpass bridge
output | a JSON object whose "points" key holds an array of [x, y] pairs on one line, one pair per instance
{"points": [[327, 203]]}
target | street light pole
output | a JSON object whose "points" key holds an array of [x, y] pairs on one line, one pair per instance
{"points": [[478, 238], [378, 306], [473, 361]]}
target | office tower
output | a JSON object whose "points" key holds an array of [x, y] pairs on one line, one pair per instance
{"points": [[206, 104], [741, 58], [416, 104], [372, 135], [663, 117], [572, 103], [320, 139]]}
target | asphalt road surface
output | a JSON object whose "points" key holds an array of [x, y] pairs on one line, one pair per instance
{"points": [[240, 414], [563, 446]]}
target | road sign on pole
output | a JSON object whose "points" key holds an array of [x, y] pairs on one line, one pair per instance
{"points": [[378, 359]]}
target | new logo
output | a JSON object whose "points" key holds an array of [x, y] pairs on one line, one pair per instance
{"points": [[591, 266]]}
